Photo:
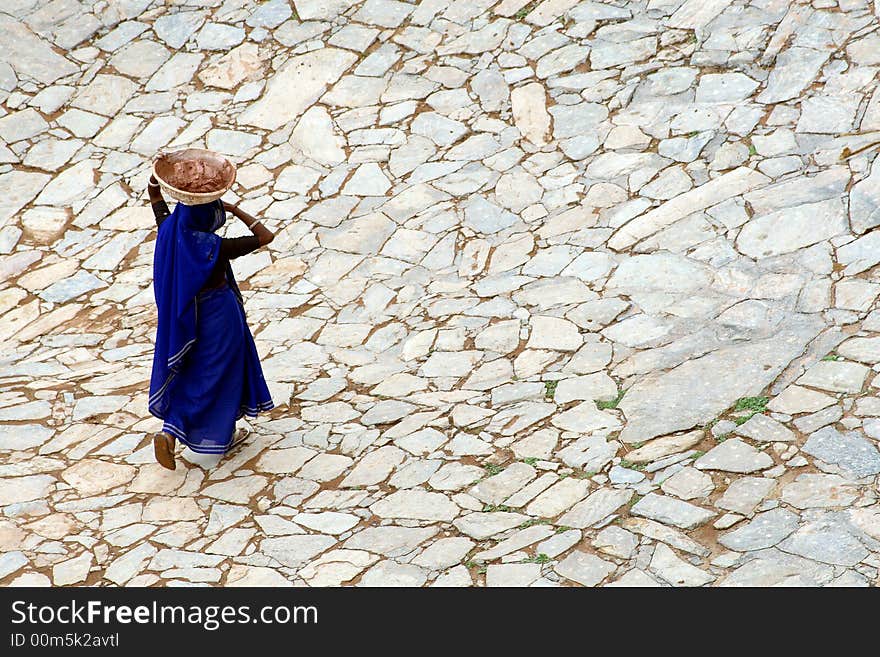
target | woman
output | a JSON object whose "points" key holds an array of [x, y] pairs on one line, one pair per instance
{"points": [[206, 372]]}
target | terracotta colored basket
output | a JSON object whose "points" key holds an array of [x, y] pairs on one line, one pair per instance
{"points": [[162, 166]]}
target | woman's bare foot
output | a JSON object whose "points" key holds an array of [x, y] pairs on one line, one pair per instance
{"points": [[163, 447]]}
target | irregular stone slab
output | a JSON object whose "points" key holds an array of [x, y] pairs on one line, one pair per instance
{"points": [[558, 497], [635, 579], [774, 568], [724, 88], [696, 14], [790, 229], [584, 418], [616, 542], [866, 350], [867, 520], [295, 551], [598, 506], [766, 430], [518, 541], [836, 376], [240, 575], [849, 453], [11, 562], [827, 184], [715, 191], [861, 254], [745, 494], [512, 574], [386, 412], [527, 493], [530, 115], [315, 136], [23, 124], [675, 571], [34, 410], [309, 10], [687, 484], [597, 387], [584, 568], [21, 437], [827, 114], [497, 488], [298, 84], [669, 510], [676, 400], [444, 553], [795, 399], [326, 522], [483, 525], [17, 189], [238, 490], [106, 94], [668, 535], [389, 540], [391, 573], [734, 455], [91, 476], [591, 453], [765, 530], [810, 423], [176, 29], [826, 540], [795, 69], [337, 566], [811, 491], [417, 505], [864, 202], [374, 467], [486, 217], [29, 55], [660, 447], [124, 567], [517, 418], [363, 235]]}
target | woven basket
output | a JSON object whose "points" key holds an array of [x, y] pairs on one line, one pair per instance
{"points": [[162, 166]]}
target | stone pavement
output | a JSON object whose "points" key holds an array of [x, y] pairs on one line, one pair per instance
{"points": [[564, 293]]}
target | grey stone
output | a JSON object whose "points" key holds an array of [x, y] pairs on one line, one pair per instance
{"points": [[818, 490], [745, 493], [836, 376], [774, 568], [827, 540], [849, 453], [596, 507], [658, 405], [584, 568], [671, 511], [734, 455], [765, 429], [765, 530]]}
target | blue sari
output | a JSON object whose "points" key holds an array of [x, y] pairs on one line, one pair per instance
{"points": [[206, 371]]}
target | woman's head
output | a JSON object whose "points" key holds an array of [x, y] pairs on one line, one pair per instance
{"points": [[207, 217]]}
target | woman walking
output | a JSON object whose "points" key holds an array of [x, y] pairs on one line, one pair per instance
{"points": [[206, 371]]}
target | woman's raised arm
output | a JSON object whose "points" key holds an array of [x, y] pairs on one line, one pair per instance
{"points": [[160, 207], [255, 225]]}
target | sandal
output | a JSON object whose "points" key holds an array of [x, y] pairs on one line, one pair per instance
{"points": [[163, 448], [237, 440]]}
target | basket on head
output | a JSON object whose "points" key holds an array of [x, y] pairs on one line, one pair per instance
{"points": [[168, 169]]}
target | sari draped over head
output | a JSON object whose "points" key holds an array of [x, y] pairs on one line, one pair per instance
{"points": [[186, 253]]}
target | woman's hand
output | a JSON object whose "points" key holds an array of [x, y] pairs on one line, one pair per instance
{"points": [[154, 191]]}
